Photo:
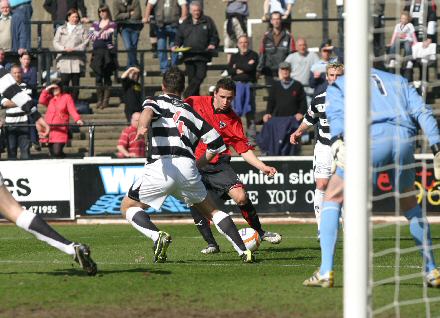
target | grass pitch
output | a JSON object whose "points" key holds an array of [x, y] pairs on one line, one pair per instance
{"points": [[39, 281]]}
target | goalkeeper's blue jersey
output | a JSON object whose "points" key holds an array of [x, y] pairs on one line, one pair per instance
{"points": [[393, 101]]}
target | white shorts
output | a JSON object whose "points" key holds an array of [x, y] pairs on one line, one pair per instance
{"points": [[322, 161], [176, 176]]}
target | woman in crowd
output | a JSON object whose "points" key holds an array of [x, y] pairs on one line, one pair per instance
{"points": [[59, 106], [71, 39], [104, 59], [29, 72]]}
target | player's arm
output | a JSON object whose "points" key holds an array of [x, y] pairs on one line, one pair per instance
{"points": [[296, 135], [212, 139], [310, 119], [214, 143], [335, 115], [205, 159], [253, 160], [335, 110], [424, 116], [145, 120]]}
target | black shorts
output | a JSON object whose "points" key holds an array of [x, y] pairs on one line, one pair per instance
{"points": [[219, 178], [133, 193]]}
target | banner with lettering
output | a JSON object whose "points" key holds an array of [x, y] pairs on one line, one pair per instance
{"points": [[100, 187], [43, 187]]}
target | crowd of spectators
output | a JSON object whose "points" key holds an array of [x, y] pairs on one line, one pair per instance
{"points": [[415, 35], [182, 32]]}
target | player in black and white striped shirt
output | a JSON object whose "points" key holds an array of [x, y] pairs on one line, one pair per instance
{"points": [[177, 129], [322, 154], [173, 130], [12, 210]]}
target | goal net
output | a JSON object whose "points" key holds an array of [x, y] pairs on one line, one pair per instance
{"points": [[384, 273]]}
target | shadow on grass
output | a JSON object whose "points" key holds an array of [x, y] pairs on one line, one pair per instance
{"points": [[276, 249], [80, 272], [209, 260], [418, 285]]}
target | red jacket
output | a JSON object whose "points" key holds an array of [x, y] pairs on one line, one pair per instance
{"points": [[228, 125], [58, 110]]}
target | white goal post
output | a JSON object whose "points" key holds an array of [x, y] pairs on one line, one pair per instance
{"points": [[357, 185]]}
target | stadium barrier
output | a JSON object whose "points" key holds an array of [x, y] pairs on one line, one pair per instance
{"points": [[94, 187]]}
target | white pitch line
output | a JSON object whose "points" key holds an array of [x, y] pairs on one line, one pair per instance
{"points": [[194, 264], [11, 238]]}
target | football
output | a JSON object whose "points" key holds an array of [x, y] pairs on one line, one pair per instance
{"points": [[250, 238]]}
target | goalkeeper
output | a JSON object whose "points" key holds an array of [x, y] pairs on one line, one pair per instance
{"points": [[396, 109]]}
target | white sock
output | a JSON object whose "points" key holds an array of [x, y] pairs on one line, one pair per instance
{"points": [[154, 235], [317, 204], [24, 221], [216, 219]]}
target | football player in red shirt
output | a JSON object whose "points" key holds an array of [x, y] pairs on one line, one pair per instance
{"points": [[219, 177]]}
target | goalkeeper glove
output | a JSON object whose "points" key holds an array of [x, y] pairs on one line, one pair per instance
{"points": [[436, 150], [338, 151]]}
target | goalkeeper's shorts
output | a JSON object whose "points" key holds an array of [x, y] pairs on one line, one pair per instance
{"points": [[392, 151]]}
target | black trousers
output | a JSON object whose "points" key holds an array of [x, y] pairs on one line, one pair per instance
{"points": [[18, 137], [196, 72], [66, 78]]}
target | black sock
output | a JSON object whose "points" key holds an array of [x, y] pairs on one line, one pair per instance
{"points": [[227, 227], [34, 224], [40, 226], [250, 215], [203, 226], [143, 220]]}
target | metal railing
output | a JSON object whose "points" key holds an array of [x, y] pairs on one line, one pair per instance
{"points": [[91, 130]]}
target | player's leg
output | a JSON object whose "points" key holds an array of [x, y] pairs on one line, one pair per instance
{"points": [[330, 213], [418, 223], [134, 213], [204, 228], [331, 210], [321, 185], [420, 231], [224, 224], [35, 225], [192, 190], [322, 164], [148, 190], [239, 195], [202, 223], [217, 178]]}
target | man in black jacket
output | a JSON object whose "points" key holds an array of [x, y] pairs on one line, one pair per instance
{"points": [[275, 46], [287, 97], [200, 34], [58, 10]]}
